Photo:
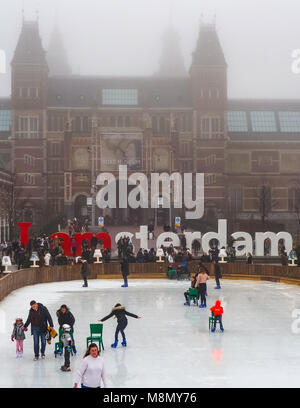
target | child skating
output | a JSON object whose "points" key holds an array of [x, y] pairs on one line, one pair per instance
{"points": [[120, 313], [18, 335], [217, 311], [67, 342]]}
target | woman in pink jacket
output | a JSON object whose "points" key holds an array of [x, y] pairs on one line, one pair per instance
{"points": [[201, 286]]}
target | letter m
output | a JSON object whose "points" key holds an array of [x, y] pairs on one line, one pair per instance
{"points": [[260, 238]]}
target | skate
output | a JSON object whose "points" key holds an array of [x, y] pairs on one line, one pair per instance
{"points": [[124, 343], [114, 345], [125, 285], [213, 329], [64, 368], [187, 304], [74, 349], [202, 305], [84, 286], [218, 287]]}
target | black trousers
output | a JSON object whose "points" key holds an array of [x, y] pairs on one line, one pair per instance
{"points": [[125, 277], [67, 357], [202, 290], [85, 280], [219, 319], [217, 280], [120, 328]]}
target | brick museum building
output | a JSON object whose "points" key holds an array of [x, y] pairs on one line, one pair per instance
{"points": [[58, 131]]}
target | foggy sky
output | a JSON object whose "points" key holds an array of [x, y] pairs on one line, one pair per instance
{"points": [[123, 37]]}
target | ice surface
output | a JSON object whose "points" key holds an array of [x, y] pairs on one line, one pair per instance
{"points": [[171, 345]]}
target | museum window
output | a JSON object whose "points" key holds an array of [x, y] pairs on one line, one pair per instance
{"points": [[211, 128], [119, 97], [28, 127], [294, 199]]}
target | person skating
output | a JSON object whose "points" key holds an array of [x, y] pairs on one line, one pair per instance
{"points": [[18, 335], [201, 285], [38, 317], [91, 369], [65, 316], [217, 310], [217, 273], [85, 271], [120, 313], [125, 271], [186, 294], [67, 341]]}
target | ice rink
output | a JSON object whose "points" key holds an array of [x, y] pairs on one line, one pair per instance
{"points": [[171, 345]]}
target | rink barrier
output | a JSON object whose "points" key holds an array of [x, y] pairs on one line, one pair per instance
{"points": [[31, 276]]}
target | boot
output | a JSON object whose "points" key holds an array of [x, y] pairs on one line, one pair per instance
{"points": [[65, 368], [187, 304], [125, 285], [202, 305], [124, 343], [74, 349], [114, 345], [221, 328], [213, 329], [218, 287]]}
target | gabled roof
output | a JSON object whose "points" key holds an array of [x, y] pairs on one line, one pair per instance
{"points": [[29, 49], [208, 50]]}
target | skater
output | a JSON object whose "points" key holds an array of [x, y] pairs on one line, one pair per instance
{"points": [[85, 271], [91, 370], [38, 317], [186, 294], [120, 313], [18, 335], [217, 310], [125, 271], [65, 316], [217, 272], [201, 285], [67, 341]]}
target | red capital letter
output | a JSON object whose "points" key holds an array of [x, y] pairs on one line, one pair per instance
{"points": [[79, 238], [24, 233], [66, 244], [105, 238]]}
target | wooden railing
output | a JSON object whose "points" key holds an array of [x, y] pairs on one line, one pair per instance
{"points": [[31, 276]]}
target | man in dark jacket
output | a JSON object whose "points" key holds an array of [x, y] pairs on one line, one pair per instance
{"points": [[39, 318], [125, 271], [85, 271], [217, 272]]}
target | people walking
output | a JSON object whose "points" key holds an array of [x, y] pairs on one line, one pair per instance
{"points": [[217, 273], [39, 318], [120, 313], [18, 335], [91, 370]]}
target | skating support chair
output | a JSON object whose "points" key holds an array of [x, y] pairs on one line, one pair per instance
{"points": [[96, 331], [211, 321], [193, 295]]}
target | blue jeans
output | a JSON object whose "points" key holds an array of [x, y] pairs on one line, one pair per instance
{"points": [[120, 328], [83, 386], [37, 335]]}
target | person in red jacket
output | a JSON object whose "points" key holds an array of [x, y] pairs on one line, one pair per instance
{"points": [[217, 311]]}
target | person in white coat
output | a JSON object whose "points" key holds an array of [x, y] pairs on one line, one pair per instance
{"points": [[91, 370]]}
